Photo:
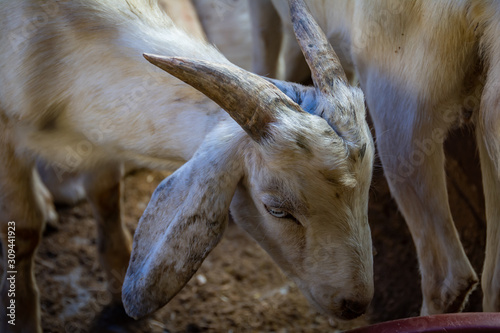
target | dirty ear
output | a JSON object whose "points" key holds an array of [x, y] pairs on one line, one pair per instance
{"points": [[182, 223]]}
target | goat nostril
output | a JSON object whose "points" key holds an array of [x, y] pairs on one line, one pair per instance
{"points": [[353, 309]]}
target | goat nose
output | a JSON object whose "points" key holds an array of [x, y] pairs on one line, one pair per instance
{"points": [[352, 309]]}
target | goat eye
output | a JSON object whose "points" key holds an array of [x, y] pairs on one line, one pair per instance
{"points": [[277, 212], [281, 214]]}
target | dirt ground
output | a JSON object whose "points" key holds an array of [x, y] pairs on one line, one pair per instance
{"points": [[239, 288]]}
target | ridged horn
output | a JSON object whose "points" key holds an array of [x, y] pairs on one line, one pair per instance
{"points": [[322, 60], [249, 99]]}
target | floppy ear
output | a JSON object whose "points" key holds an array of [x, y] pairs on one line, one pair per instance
{"points": [[182, 223]]}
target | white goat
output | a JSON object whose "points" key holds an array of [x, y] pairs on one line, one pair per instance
{"points": [[77, 92], [184, 15], [425, 66], [227, 25]]}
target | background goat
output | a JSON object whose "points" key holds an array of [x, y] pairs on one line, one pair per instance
{"points": [[425, 67], [77, 92]]}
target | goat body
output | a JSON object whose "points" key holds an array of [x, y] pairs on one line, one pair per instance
{"points": [[77, 92], [425, 66]]}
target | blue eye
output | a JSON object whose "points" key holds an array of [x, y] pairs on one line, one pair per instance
{"points": [[277, 212], [281, 214]]}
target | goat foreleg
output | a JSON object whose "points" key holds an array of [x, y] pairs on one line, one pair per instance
{"points": [[412, 155], [22, 213], [488, 139], [114, 242]]}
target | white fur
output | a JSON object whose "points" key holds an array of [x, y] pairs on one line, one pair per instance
{"points": [[421, 64], [76, 91]]}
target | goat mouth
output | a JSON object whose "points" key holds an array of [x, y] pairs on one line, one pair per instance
{"points": [[350, 313], [339, 312], [329, 312]]}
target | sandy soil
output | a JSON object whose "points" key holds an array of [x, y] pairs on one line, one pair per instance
{"points": [[239, 288]]}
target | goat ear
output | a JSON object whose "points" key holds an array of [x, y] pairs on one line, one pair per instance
{"points": [[182, 223], [306, 97]]}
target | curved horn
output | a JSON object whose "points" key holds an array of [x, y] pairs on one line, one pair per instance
{"points": [[322, 60], [249, 99]]}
